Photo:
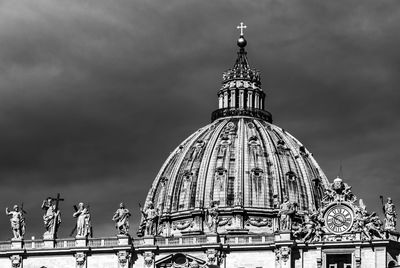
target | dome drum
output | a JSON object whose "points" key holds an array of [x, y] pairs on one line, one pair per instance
{"points": [[252, 112]]}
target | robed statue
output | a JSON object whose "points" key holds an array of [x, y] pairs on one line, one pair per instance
{"points": [[390, 215], [17, 221], [150, 216], [51, 217], [121, 218], [286, 211], [213, 217], [83, 222]]}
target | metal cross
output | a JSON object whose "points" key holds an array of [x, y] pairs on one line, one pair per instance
{"points": [[241, 27], [57, 199]]}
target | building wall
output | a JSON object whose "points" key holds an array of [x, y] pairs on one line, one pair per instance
{"points": [[310, 258], [107, 252], [108, 260], [250, 259], [55, 261]]}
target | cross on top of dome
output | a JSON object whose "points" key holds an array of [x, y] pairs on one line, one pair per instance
{"points": [[241, 27]]}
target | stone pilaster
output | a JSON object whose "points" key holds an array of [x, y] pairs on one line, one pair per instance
{"points": [[319, 257], [357, 256]]}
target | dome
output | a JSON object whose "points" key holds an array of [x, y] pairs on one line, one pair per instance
{"points": [[240, 164]]}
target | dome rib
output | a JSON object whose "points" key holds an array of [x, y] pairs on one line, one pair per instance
{"points": [[204, 166]]}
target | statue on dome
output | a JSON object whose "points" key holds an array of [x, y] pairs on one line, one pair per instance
{"points": [[83, 222], [150, 215], [17, 221], [390, 214], [287, 210], [121, 218], [213, 217], [51, 217]]}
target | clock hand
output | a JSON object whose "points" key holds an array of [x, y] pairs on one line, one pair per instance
{"points": [[339, 220]]}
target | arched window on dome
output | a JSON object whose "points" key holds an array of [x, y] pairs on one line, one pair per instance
{"points": [[257, 187], [230, 192]]}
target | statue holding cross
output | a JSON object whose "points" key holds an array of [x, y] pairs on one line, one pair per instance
{"points": [[51, 217]]}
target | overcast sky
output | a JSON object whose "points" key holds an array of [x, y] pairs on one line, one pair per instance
{"points": [[95, 94]]}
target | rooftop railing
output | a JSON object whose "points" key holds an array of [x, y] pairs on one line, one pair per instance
{"points": [[110, 242]]}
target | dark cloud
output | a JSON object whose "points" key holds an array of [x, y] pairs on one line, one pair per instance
{"points": [[95, 94]]}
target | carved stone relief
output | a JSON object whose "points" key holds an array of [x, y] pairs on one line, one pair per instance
{"points": [[124, 258], [259, 222], [80, 258], [16, 261], [282, 254], [148, 258]]}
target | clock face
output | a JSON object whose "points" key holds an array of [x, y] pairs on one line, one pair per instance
{"points": [[339, 219]]}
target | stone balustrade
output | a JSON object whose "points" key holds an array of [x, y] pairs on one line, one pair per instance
{"points": [[110, 242]]}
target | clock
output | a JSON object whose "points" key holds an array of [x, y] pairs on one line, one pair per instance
{"points": [[339, 219]]}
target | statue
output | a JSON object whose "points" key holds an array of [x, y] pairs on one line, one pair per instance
{"points": [[390, 215], [121, 217], [213, 217], [338, 191], [52, 217], [368, 224], [83, 222], [311, 228], [17, 222], [375, 226], [150, 215], [286, 211]]}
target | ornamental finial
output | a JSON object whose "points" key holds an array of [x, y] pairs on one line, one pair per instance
{"points": [[241, 27]]}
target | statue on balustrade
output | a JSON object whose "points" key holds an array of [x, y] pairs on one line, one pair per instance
{"points": [[390, 215], [150, 216], [368, 224], [121, 218], [17, 221], [51, 217], [286, 213], [83, 222]]}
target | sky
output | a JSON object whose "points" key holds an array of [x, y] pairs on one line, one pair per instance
{"points": [[95, 94]]}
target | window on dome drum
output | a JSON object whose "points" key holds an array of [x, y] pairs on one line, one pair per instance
{"points": [[230, 195]]}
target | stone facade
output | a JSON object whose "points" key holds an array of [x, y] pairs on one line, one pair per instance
{"points": [[234, 251]]}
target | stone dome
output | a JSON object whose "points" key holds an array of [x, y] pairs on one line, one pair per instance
{"points": [[240, 163]]}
